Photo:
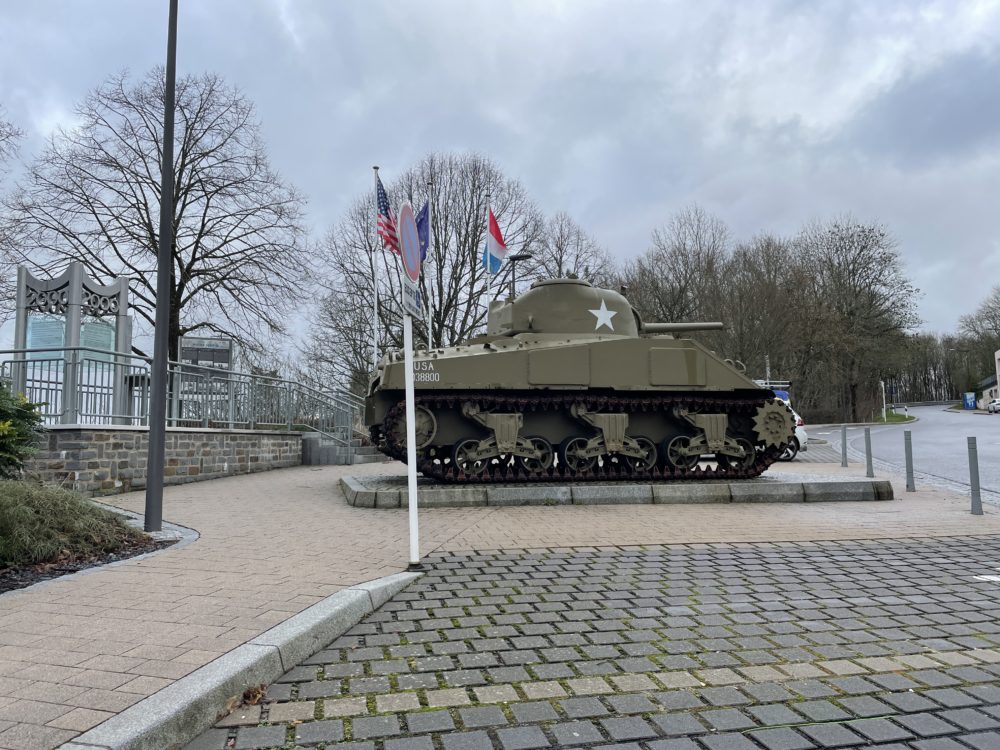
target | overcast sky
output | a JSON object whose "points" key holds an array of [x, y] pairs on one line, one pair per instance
{"points": [[768, 114]]}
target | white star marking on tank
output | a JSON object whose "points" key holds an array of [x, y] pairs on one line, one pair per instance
{"points": [[604, 316]]}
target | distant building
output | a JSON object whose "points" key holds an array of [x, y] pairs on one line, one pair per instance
{"points": [[991, 386]]}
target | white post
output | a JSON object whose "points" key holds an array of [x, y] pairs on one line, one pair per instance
{"points": [[882, 383], [411, 442], [375, 258]]}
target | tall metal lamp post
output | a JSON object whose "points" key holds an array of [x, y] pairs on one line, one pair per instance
{"points": [[514, 259], [164, 264]]}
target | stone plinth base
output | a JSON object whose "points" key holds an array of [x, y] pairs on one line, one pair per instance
{"points": [[389, 491]]}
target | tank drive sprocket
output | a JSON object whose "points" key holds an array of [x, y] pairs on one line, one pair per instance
{"points": [[774, 423]]}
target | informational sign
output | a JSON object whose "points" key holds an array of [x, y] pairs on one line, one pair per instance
{"points": [[207, 352], [969, 401], [409, 246], [47, 331]]}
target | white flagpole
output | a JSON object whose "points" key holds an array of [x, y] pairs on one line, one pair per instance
{"points": [[430, 247], [487, 262], [375, 258]]}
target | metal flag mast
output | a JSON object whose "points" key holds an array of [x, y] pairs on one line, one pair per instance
{"points": [[375, 259], [429, 302]]}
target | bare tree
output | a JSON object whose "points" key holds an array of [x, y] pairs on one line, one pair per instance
{"points": [[93, 196], [10, 137], [565, 248], [865, 301], [454, 280], [676, 278]]}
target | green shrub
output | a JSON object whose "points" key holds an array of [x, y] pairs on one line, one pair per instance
{"points": [[19, 427], [46, 524]]}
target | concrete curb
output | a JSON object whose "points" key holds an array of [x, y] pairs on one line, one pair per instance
{"points": [[178, 713], [676, 493]]}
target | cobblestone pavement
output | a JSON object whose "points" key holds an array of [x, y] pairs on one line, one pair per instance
{"points": [[792, 646]]}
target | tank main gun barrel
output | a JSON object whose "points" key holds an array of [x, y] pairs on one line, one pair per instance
{"points": [[682, 327]]}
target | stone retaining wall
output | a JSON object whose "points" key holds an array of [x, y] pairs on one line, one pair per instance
{"points": [[109, 460]]}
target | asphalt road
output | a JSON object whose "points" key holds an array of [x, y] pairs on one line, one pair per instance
{"points": [[940, 448]]}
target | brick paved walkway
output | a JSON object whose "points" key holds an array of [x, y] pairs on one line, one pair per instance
{"points": [[77, 650], [892, 644]]}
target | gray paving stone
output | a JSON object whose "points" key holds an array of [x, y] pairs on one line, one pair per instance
{"points": [[909, 702], [583, 708], [366, 727], [522, 738], [536, 711], [782, 739], [970, 719], [410, 743], [429, 721], [951, 698], [728, 741], [213, 739], [982, 741], [924, 725], [726, 719], [677, 743], [467, 741], [774, 714], [252, 738], [319, 731], [575, 732], [865, 706], [633, 728], [832, 735], [678, 723], [881, 730], [474, 718]]}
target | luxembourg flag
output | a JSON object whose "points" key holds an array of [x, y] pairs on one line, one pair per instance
{"points": [[495, 250]]}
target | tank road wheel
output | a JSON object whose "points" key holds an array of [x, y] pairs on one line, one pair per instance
{"points": [[461, 457], [648, 460], [742, 464], [543, 462], [425, 427], [672, 451], [568, 459]]}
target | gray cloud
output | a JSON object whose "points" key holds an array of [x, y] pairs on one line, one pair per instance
{"points": [[768, 113]]}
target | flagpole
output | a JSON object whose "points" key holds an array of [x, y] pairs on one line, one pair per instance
{"points": [[430, 247], [375, 258], [487, 264]]}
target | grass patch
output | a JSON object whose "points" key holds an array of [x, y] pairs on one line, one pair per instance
{"points": [[893, 418], [41, 525]]}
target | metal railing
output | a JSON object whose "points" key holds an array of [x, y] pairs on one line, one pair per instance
{"points": [[82, 385]]}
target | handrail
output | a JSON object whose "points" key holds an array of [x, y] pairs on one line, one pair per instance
{"points": [[77, 388]]}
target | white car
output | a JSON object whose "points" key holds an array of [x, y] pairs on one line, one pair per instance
{"points": [[993, 407], [799, 442]]}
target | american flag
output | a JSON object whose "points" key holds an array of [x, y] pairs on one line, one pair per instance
{"points": [[386, 221]]}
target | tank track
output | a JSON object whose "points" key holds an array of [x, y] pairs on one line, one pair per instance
{"points": [[619, 472]]}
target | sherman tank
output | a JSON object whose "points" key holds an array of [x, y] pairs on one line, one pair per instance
{"points": [[569, 383]]}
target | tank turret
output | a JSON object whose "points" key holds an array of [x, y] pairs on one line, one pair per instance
{"points": [[569, 383]]}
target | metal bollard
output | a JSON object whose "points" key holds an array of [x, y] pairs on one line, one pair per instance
{"points": [[870, 470], [908, 450], [977, 500], [843, 445]]}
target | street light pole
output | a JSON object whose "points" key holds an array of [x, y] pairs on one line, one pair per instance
{"points": [[513, 260], [164, 265]]}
